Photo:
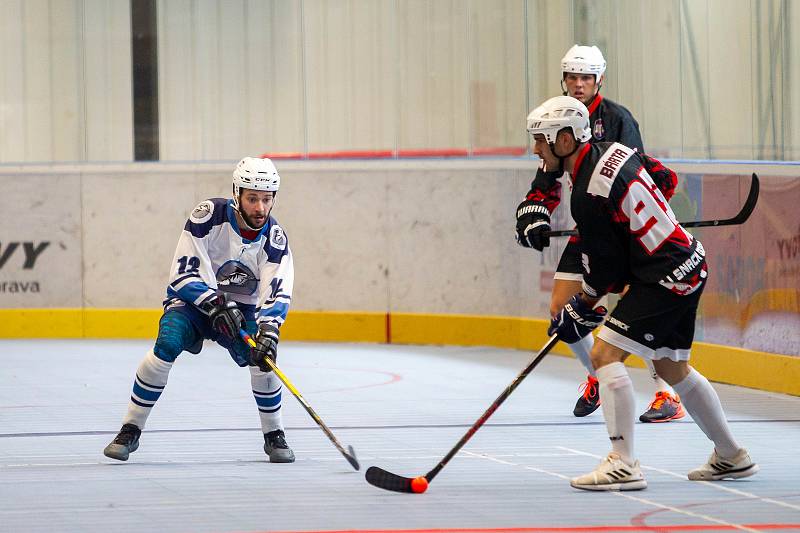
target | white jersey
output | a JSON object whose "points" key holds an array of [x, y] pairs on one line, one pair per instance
{"points": [[212, 254]]}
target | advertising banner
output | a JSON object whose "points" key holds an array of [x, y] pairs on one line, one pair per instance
{"points": [[753, 296], [40, 242]]}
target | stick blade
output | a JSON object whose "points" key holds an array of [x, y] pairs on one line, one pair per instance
{"points": [[750, 202], [351, 458], [385, 480]]}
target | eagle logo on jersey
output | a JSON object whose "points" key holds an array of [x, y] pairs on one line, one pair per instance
{"points": [[202, 213], [277, 239], [236, 278], [598, 131]]}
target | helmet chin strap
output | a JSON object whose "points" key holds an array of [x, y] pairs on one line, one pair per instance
{"points": [[561, 158], [246, 223]]}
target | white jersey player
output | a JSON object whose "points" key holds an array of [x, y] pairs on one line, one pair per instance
{"points": [[232, 271]]}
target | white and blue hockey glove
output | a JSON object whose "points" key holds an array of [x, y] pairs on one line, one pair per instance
{"points": [[576, 320], [266, 346]]}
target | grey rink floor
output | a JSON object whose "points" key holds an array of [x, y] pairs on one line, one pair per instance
{"points": [[200, 466]]}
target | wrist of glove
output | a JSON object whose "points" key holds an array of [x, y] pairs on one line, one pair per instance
{"points": [[533, 223], [226, 318], [266, 346], [576, 320]]}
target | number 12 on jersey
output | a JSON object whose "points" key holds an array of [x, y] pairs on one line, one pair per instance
{"points": [[188, 264]]}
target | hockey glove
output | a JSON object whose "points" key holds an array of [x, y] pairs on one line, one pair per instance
{"points": [[576, 320], [533, 220], [226, 318], [266, 346]]}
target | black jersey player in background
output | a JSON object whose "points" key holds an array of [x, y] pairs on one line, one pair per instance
{"points": [[583, 72], [630, 237]]}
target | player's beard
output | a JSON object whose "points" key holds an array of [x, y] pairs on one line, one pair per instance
{"points": [[249, 222], [561, 158], [560, 167]]}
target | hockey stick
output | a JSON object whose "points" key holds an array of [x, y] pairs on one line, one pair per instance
{"points": [[350, 453], [740, 218], [386, 480]]}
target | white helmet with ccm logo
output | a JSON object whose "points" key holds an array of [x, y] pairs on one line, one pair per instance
{"points": [[256, 174], [558, 113]]}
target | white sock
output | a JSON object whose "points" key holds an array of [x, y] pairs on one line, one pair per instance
{"points": [[582, 350], [267, 392], [151, 378], [702, 402], [618, 403], [660, 384]]}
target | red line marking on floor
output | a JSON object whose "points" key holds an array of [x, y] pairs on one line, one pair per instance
{"points": [[641, 518], [567, 529]]}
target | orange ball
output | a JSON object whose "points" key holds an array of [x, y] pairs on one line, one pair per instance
{"points": [[419, 485]]}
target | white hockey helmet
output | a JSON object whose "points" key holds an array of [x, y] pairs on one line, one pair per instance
{"points": [[584, 60], [257, 174], [558, 113]]}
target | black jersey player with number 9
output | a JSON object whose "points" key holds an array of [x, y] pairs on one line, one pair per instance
{"points": [[629, 236]]}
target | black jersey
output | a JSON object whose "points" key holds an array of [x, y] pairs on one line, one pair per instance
{"points": [[546, 188], [628, 232], [611, 122]]}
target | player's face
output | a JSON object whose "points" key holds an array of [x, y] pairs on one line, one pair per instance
{"points": [[581, 86], [543, 150], [255, 206]]}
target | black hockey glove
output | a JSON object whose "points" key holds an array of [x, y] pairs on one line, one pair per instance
{"points": [[533, 220], [266, 346], [226, 318], [576, 320]]}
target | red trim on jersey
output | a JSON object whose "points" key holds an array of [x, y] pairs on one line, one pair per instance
{"points": [[250, 235], [665, 178], [579, 160], [596, 102]]}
